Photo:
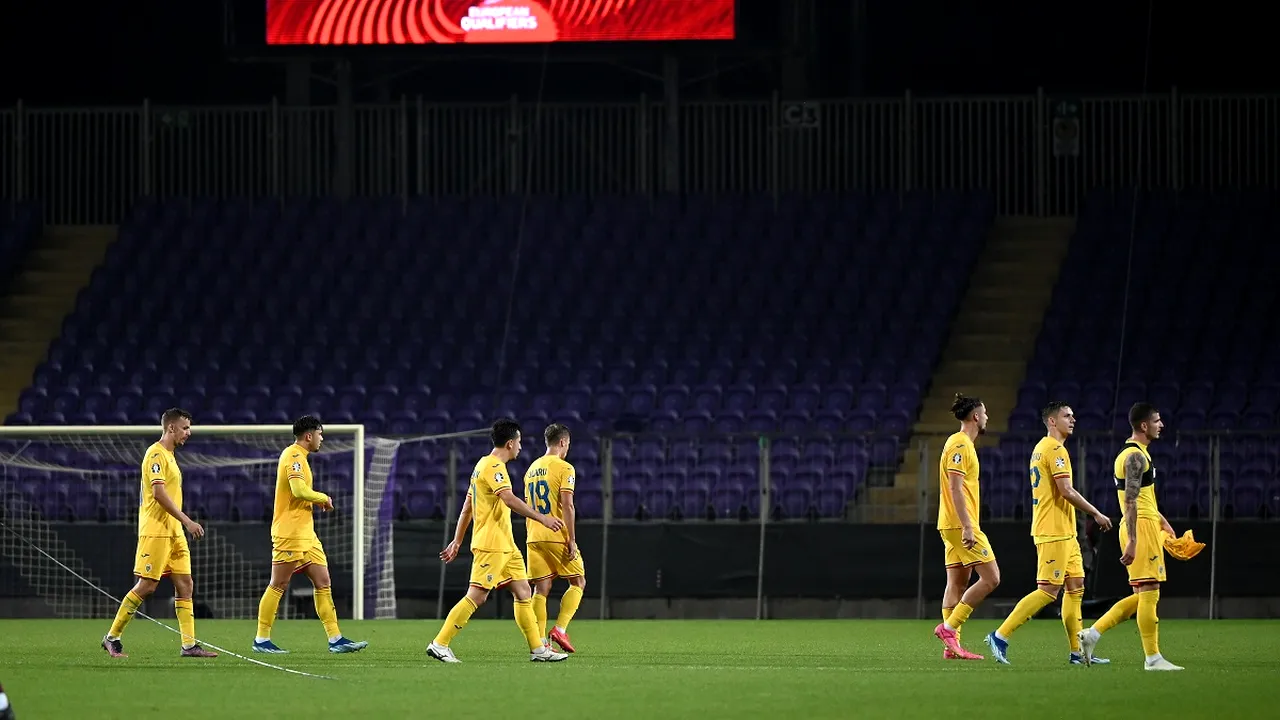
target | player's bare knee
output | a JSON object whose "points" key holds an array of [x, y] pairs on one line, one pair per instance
{"points": [[989, 574], [319, 576], [145, 586], [477, 595], [579, 582], [183, 586], [543, 587], [520, 590], [1050, 589]]}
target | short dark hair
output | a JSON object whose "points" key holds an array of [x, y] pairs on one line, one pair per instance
{"points": [[173, 415], [554, 433], [1140, 413], [963, 407], [503, 431], [306, 424], [1052, 409]]}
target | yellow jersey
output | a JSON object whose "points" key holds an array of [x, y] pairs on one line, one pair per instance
{"points": [[545, 479], [1052, 517], [491, 531], [159, 467], [291, 518], [1147, 495], [958, 456]]}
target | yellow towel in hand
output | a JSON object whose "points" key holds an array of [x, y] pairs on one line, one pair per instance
{"points": [[1183, 548]]}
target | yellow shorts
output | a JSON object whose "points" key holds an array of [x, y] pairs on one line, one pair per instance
{"points": [[1148, 560], [1058, 560], [303, 552], [490, 570], [546, 559], [160, 556], [956, 554]]}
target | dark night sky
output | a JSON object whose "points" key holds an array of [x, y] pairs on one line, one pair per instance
{"points": [[173, 51]]}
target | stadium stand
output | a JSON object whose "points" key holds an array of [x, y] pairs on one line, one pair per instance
{"points": [[1196, 346], [673, 315], [19, 230], [19, 227]]}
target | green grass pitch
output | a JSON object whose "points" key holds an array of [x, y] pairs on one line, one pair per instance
{"points": [[674, 669]]}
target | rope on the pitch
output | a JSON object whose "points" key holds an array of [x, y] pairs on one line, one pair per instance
{"points": [[1133, 210], [530, 149], [1133, 230], [143, 615]]}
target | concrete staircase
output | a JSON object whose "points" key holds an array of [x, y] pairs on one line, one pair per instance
{"points": [[41, 295], [991, 341]]}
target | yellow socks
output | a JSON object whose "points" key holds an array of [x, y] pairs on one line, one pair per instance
{"points": [[946, 615], [327, 613], [1072, 619], [267, 608], [568, 606], [1026, 609], [456, 620], [958, 616], [185, 610], [1121, 611], [1148, 623], [527, 623], [128, 607], [540, 613]]}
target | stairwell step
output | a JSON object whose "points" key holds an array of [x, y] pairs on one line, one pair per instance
{"points": [[1009, 289], [979, 347], [35, 282], [999, 315], [1021, 306], [986, 351], [19, 328], [971, 373], [20, 306], [41, 295]]}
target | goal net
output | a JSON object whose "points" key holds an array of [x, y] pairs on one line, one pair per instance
{"points": [[74, 493]]}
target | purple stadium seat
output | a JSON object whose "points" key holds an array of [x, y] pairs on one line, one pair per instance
{"points": [[735, 341], [1200, 361]]}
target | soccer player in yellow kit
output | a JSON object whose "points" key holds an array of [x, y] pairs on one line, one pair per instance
{"points": [[549, 484], [162, 548], [496, 562], [1140, 530], [965, 546], [1053, 527], [295, 547]]}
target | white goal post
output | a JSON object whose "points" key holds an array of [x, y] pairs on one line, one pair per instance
{"points": [[79, 477]]}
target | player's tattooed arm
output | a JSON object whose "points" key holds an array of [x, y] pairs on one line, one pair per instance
{"points": [[1133, 469]]}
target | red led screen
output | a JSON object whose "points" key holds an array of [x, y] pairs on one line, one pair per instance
{"points": [[421, 22]]}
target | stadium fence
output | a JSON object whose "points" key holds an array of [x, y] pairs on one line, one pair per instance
{"points": [[1037, 154]]}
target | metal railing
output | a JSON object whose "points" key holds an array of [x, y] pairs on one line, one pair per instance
{"points": [[1037, 154], [1208, 480]]}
